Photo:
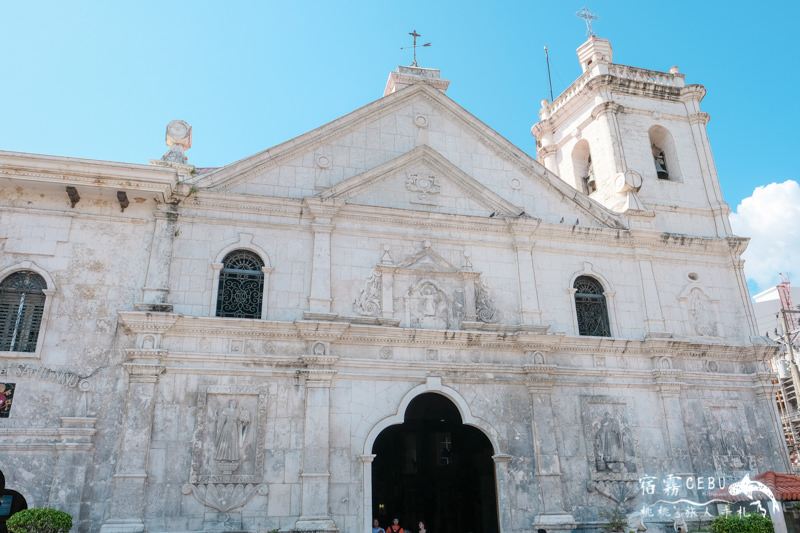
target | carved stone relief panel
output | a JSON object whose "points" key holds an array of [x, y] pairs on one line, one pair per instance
{"points": [[717, 440], [228, 444], [429, 306], [426, 291], [700, 312], [425, 187], [368, 302], [611, 441]]}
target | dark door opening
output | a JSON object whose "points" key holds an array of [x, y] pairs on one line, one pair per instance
{"points": [[433, 468], [11, 501]]}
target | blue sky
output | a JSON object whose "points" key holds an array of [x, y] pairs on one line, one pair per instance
{"points": [[100, 80]]}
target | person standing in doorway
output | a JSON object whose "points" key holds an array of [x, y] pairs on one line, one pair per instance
{"points": [[395, 527], [376, 527]]}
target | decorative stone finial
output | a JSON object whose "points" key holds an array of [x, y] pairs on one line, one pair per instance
{"points": [[179, 139]]}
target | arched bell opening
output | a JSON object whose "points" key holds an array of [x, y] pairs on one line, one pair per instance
{"points": [[434, 468]]}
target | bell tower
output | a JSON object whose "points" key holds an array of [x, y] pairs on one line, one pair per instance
{"points": [[635, 141]]}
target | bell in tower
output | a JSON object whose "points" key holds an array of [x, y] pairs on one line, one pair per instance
{"points": [[660, 161]]}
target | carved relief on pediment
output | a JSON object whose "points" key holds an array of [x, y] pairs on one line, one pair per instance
{"points": [[426, 291], [611, 442]]}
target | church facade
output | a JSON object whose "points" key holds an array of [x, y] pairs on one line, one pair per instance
{"points": [[398, 314]]}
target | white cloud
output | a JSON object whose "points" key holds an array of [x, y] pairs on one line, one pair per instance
{"points": [[771, 218]]}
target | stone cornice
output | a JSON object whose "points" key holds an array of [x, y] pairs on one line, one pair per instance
{"points": [[645, 83], [87, 172], [699, 118], [376, 335], [322, 209], [606, 108], [147, 322], [693, 92]]}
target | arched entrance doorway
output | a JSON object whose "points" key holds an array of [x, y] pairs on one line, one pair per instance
{"points": [[434, 468], [11, 501]]}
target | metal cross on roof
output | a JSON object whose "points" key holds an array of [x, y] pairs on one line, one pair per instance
{"points": [[414, 34], [588, 16]]}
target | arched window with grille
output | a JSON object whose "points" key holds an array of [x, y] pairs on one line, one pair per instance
{"points": [[241, 285], [590, 306], [21, 307]]}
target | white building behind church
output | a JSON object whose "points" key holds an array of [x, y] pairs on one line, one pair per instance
{"points": [[398, 314]]}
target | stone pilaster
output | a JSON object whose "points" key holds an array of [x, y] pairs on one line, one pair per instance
{"points": [[529, 313], [670, 392], [366, 488], [503, 497], [546, 456], [73, 457], [652, 301], [606, 115], [769, 421], [156, 286], [315, 476], [323, 210], [127, 497], [691, 97]]}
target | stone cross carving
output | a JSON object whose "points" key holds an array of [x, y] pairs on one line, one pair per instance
{"points": [[587, 16]]}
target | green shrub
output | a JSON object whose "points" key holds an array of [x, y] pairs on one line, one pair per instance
{"points": [[749, 523], [39, 521]]}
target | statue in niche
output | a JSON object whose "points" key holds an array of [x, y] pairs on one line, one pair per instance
{"points": [[701, 314], [609, 445], [232, 424], [613, 446], [431, 308]]}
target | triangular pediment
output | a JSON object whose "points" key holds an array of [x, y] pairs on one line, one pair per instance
{"points": [[412, 134], [427, 260], [422, 179]]}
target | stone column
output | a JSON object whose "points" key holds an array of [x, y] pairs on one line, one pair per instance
{"points": [[127, 497], [547, 464], [316, 448], [366, 487], [156, 285], [323, 211], [73, 456]]}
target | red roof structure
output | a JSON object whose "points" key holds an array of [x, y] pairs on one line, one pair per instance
{"points": [[785, 487]]}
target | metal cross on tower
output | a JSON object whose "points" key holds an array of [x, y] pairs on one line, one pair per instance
{"points": [[588, 16], [414, 34]]}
